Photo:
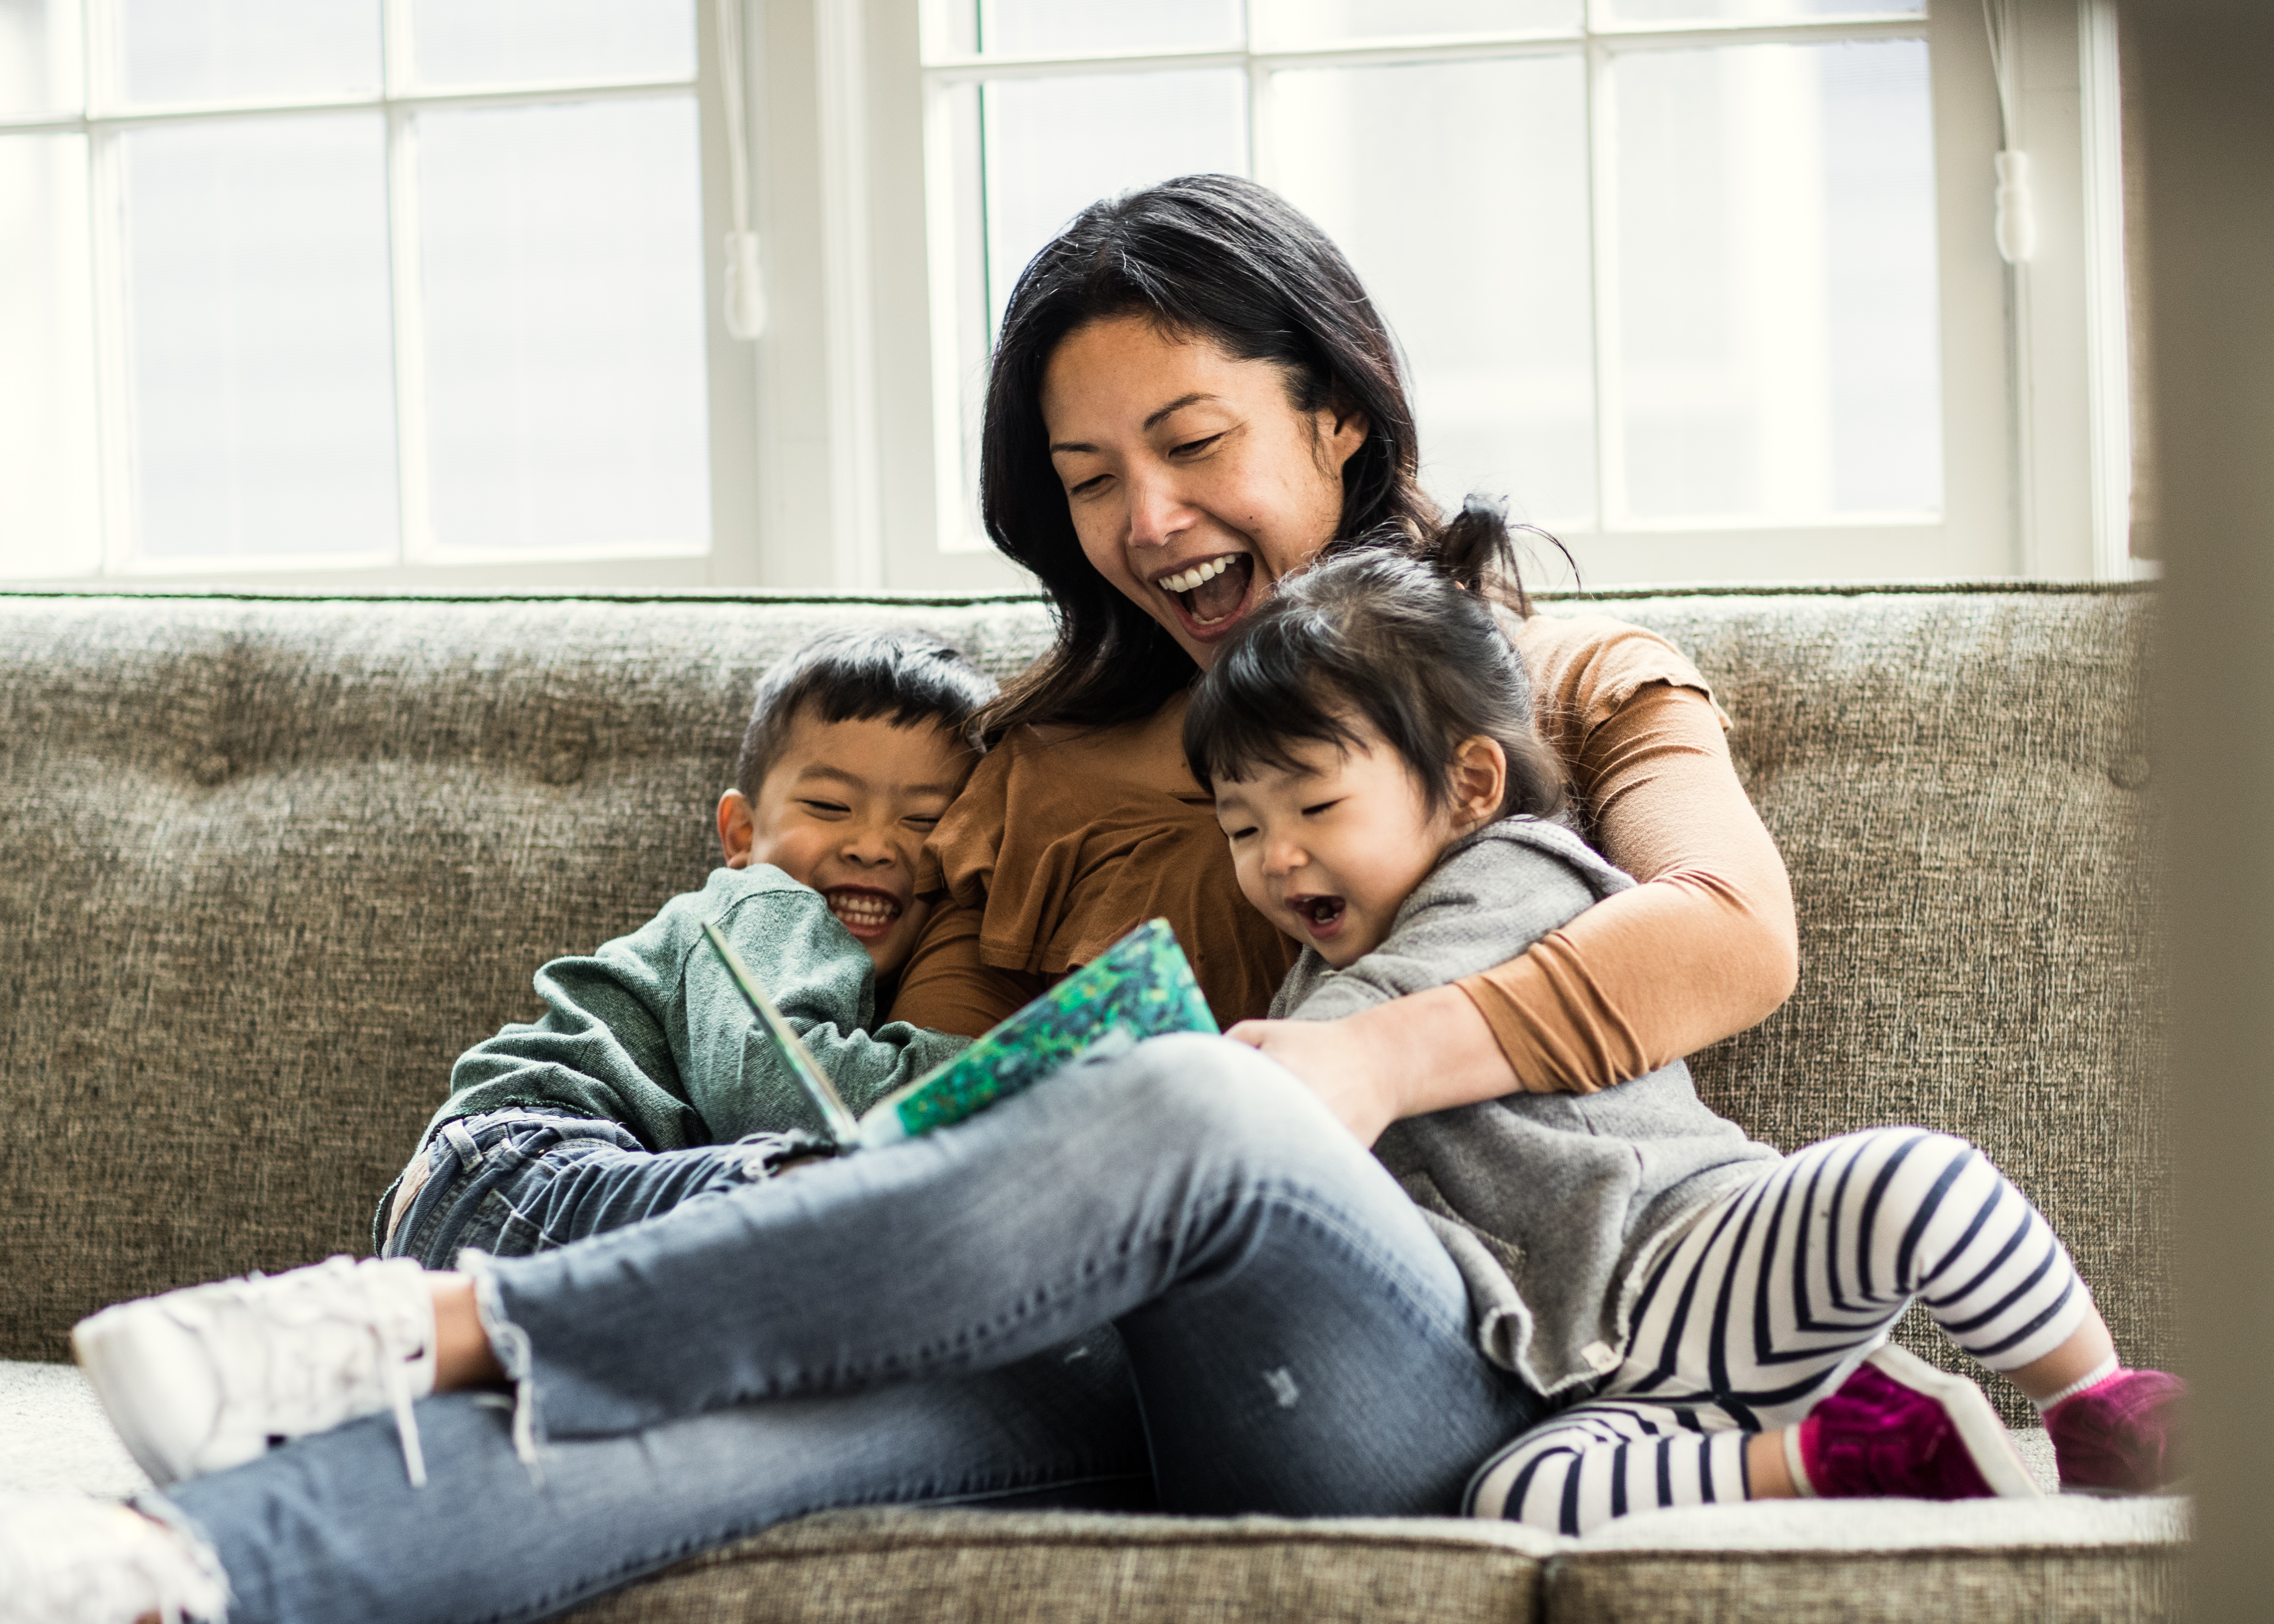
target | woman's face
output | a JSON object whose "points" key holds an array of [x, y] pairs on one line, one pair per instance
{"points": [[1193, 482]]}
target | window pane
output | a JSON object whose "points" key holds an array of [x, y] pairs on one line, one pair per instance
{"points": [[1757, 11], [1284, 23], [40, 70], [526, 42], [213, 50], [1460, 193], [1055, 145], [1779, 315], [561, 260], [262, 368], [1040, 28], [48, 516]]}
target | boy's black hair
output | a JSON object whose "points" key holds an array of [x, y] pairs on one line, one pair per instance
{"points": [[1411, 647], [857, 675]]}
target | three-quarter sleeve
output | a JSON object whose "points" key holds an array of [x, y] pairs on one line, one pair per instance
{"points": [[1706, 945]]}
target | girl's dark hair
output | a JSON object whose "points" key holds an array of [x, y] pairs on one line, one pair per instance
{"points": [[859, 675], [1411, 648], [1206, 255]]}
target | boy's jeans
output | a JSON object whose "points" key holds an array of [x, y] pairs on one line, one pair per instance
{"points": [[514, 1182], [930, 1322]]}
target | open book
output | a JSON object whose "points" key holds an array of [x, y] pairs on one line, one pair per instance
{"points": [[1138, 988]]}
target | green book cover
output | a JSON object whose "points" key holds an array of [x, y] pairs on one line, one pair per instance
{"points": [[1141, 987]]}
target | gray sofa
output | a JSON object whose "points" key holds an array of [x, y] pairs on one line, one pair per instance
{"points": [[267, 865]]}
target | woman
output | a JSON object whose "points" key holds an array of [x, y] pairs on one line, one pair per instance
{"points": [[1192, 382], [1193, 397]]}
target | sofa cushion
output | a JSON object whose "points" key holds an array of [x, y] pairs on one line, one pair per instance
{"points": [[54, 1437], [982, 1567], [267, 865], [2063, 1559]]}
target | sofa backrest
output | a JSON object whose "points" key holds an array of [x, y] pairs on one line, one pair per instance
{"points": [[267, 866]]}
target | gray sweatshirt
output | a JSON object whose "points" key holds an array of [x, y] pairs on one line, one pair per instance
{"points": [[1552, 1205], [647, 1031]]}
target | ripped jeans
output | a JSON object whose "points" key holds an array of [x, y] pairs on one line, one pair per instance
{"points": [[517, 1182], [1166, 1278]]}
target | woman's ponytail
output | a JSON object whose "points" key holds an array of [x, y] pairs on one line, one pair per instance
{"points": [[1476, 550]]}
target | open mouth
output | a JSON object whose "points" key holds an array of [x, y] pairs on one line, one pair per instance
{"points": [[1211, 591], [866, 913], [1323, 914]]}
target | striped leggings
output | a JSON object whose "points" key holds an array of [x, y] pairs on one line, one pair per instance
{"points": [[1769, 1299]]}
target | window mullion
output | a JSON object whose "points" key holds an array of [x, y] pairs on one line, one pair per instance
{"points": [[1262, 161], [414, 523], [99, 56], [114, 389], [106, 252], [943, 223], [1603, 245]]}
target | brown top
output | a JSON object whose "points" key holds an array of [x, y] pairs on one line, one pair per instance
{"points": [[1055, 850], [1060, 845]]}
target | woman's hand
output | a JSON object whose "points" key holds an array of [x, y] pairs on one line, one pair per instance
{"points": [[1333, 1060], [1421, 1053]]}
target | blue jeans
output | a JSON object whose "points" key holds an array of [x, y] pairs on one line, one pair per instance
{"points": [[926, 1323], [516, 1182]]}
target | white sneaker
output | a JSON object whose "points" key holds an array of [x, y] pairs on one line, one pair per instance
{"points": [[210, 1376], [65, 1559]]}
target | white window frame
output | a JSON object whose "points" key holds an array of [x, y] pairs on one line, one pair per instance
{"points": [[2031, 468], [416, 561], [835, 465]]}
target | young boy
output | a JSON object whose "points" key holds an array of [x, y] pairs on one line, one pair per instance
{"points": [[856, 743], [645, 1081], [1715, 1315]]}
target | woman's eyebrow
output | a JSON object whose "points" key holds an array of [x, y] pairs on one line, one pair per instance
{"points": [[1151, 423], [1179, 404]]}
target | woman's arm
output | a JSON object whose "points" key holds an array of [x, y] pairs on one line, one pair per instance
{"points": [[1706, 946]]}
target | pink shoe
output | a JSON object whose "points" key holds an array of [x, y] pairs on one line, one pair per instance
{"points": [[2126, 1435], [1899, 1426]]}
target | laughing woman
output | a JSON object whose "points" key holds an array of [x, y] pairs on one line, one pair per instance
{"points": [[1193, 397]]}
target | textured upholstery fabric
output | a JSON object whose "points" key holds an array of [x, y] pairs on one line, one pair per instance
{"points": [[978, 1568], [267, 865], [2072, 1561], [2068, 1561], [1959, 784], [266, 868]]}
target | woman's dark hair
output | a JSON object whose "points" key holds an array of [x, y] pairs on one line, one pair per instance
{"points": [[859, 675], [1206, 255], [1411, 648]]}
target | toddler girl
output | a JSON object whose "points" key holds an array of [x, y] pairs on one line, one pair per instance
{"points": [[1713, 1316]]}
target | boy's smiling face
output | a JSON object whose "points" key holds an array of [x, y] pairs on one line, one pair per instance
{"points": [[846, 808], [1330, 852]]}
